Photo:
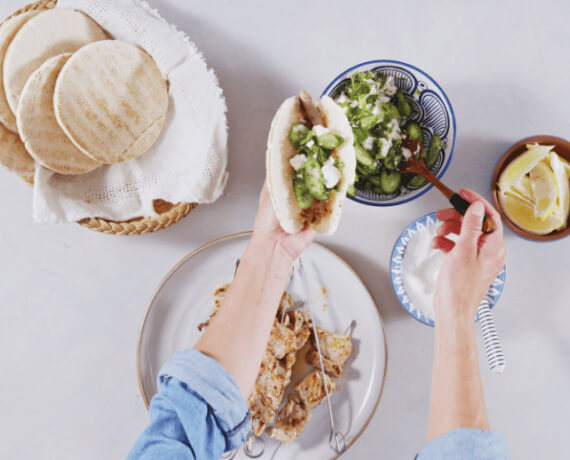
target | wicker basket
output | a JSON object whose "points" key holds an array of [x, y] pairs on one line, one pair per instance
{"points": [[168, 213]]}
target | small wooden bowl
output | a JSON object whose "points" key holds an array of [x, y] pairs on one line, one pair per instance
{"points": [[561, 147]]}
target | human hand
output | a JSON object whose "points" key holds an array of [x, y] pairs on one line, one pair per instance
{"points": [[471, 264], [268, 228]]}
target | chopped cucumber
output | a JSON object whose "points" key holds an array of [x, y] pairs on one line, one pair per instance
{"points": [[304, 198], [330, 141], [403, 104], [415, 132], [416, 181], [375, 181], [433, 151], [368, 121], [322, 155], [390, 181], [362, 156], [390, 111], [313, 179], [360, 134], [299, 134]]}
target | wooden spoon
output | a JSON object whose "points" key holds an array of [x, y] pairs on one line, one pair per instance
{"points": [[417, 165]]}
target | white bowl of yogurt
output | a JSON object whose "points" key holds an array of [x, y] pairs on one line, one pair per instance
{"points": [[414, 267]]}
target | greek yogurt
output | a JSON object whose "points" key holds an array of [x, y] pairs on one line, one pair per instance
{"points": [[420, 268]]}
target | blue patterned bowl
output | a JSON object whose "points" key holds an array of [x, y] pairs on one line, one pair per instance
{"points": [[397, 279], [433, 112]]}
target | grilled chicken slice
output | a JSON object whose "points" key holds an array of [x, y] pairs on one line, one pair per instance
{"points": [[331, 368], [334, 347], [311, 389], [302, 338], [309, 109], [274, 376], [298, 321], [281, 341], [291, 421]]}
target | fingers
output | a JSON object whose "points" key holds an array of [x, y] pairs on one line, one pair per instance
{"points": [[471, 226], [449, 226], [471, 196], [442, 243], [449, 214]]}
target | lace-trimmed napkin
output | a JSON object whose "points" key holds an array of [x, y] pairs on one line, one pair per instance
{"points": [[186, 164]]}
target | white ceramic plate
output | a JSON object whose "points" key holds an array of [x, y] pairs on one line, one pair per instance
{"points": [[184, 298]]}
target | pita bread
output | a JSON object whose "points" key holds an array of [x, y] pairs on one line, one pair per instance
{"points": [[280, 172], [13, 154], [7, 32], [48, 34], [111, 101], [39, 130]]}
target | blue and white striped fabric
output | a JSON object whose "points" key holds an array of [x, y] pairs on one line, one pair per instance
{"points": [[493, 346]]}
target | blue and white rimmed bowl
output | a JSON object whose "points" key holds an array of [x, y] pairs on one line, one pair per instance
{"points": [[397, 279], [433, 112]]}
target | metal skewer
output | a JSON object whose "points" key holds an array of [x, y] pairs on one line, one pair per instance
{"points": [[336, 439]]}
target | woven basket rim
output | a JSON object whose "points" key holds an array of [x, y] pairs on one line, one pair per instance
{"points": [[137, 226]]}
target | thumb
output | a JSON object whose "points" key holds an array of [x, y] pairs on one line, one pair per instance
{"points": [[471, 227]]}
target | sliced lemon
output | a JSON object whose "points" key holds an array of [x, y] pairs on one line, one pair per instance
{"points": [[535, 145], [523, 217], [544, 189], [566, 165], [522, 165], [562, 183], [524, 188], [512, 192]]}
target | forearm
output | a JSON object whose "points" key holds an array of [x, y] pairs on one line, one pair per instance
{"points": [[457, 399], [238, 334]]}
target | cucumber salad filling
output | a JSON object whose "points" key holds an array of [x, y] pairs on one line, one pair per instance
{"points": [[316, 167], [384, 136]]}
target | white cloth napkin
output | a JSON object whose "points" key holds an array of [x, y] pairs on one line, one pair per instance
{"points": [[186, 164]]}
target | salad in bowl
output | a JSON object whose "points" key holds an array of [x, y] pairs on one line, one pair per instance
{"points": [[395, 111]]}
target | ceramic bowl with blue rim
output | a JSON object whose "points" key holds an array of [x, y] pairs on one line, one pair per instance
{"points": [[433, 112], [397, 279]]}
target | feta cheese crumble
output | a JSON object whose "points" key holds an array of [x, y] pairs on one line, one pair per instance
{"points": [[319, 130], [331, 174], [298, 161]]}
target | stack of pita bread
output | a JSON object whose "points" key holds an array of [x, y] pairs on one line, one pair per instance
{"points": [[72, 99]]}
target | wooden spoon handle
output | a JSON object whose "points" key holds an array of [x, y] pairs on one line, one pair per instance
{"points": [[461, 205]]}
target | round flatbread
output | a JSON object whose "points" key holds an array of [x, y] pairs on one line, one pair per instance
{"points": [[111, 101], [280, 171], [7, 32], [48, 34], [39, 130], [13, 153]]}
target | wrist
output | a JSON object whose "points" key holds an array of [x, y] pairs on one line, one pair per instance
{"points": [[270, 253], [454, 314]]}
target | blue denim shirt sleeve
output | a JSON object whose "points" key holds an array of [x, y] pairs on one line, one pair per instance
{"points": [[466, 444], [198, 412]]}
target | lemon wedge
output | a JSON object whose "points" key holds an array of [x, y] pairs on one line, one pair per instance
{"points": [[522, 215], [524, 189], [518, 168], [544, 189], [566, 165], [562, 183]]}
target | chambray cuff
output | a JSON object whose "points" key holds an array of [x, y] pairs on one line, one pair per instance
{"points": [[216, 387], [466, 443]]}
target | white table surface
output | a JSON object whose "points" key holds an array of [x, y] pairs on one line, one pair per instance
{"points": [[71, 300]]}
